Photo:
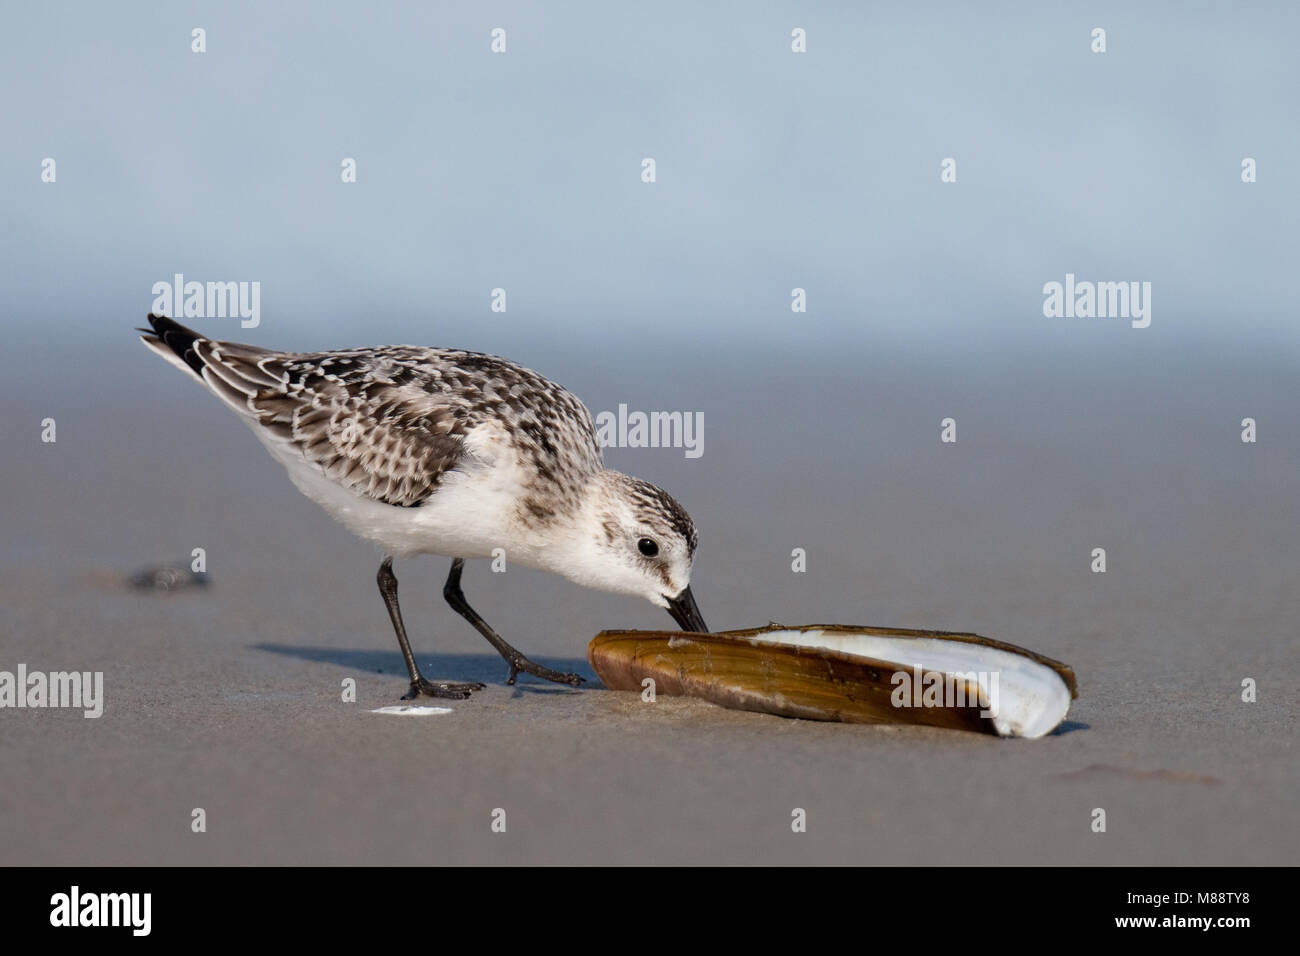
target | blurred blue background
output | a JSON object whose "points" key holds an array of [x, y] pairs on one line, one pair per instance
{"points": [[775, 170]]}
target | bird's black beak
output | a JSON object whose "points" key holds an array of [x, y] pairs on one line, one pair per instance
{"points": [[687, 613]]}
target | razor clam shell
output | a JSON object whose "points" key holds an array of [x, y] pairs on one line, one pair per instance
{"points": [[822, 673]]}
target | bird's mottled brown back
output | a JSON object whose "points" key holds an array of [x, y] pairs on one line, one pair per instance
{"points": [[389, 423]]}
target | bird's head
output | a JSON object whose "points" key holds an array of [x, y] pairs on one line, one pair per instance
{"points": [[635, 538]]}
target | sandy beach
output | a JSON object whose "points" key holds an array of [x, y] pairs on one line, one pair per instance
{"points": [[228, 698]]}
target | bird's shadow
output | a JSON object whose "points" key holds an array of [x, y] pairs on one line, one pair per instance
{"points": [[484, 668]]}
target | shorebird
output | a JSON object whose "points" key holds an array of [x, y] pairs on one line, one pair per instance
{"points": [[441, 451]]}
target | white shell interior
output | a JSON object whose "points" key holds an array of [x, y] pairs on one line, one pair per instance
{"points": [[1030, 698]]}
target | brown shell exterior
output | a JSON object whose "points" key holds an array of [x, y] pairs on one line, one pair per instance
{"points": [[739, 670]]}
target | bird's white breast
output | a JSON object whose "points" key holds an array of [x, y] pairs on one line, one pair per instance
{"points": [[468, 516]]}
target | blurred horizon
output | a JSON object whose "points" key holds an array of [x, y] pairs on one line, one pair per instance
{"points": [[774, 171]]}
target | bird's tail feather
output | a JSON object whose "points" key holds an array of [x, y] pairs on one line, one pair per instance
{"points": [[174, 342]]}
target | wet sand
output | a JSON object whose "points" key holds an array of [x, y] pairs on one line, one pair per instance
{"points": [[228, 698]]}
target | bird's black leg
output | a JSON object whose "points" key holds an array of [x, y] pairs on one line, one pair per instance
{"points": [[456, 598], [388, 588]]}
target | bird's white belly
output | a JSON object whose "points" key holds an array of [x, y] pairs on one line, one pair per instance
{"points": [[469, 515]]}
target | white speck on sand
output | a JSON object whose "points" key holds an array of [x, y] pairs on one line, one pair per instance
{"points": [[412, 710]]}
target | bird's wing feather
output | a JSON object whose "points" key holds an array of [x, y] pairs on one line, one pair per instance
{"points": [[390, 422], [387, 441]]}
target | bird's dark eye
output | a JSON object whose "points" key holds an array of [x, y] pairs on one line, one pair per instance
{"points": [[647, 547]]}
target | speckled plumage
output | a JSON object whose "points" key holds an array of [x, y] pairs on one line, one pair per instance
{"points": [[442, 451], [390, 422], [395, 424]]}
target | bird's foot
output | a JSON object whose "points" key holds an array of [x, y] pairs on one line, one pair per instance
{"points": [[441, 689], [522, 664]]}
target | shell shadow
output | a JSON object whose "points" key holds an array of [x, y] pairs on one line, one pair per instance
{"points": [[1069, 727]]}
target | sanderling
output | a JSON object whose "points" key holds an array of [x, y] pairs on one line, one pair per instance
{"points": [[440, 451]]}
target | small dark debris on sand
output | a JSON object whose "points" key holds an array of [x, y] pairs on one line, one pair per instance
{"points": [[168, 577]]}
